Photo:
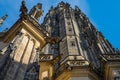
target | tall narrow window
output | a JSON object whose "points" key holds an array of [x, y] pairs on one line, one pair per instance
{"points": [[72, 43]]}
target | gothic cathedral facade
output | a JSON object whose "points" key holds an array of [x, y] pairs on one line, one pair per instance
{"points": [[66, 46]]}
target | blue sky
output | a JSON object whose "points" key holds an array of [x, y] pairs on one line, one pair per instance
{"points": [[104, 14]]}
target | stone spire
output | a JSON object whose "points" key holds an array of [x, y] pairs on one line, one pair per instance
{"points": [[23, 10], [3, 19]]}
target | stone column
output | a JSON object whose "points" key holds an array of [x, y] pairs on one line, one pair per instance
{"points": [[25, 60]]}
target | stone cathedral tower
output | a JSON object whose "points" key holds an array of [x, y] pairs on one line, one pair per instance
{"points": [[66, 46]]}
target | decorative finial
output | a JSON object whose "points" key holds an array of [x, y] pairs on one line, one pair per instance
{"points": [[51, 8], [77, 8], [3, 19], [23, 9]]}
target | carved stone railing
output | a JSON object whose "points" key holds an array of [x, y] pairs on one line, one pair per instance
{"points": [[72, 58], [45, 57], [112, 56], [75, 60], [77, 63], [71, 65]]}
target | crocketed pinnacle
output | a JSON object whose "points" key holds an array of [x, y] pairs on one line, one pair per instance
{"points": [[3, 19], [23, 9]]}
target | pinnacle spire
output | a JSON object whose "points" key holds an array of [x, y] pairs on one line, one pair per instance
{"points": [[3, 19], [23, 9]]}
